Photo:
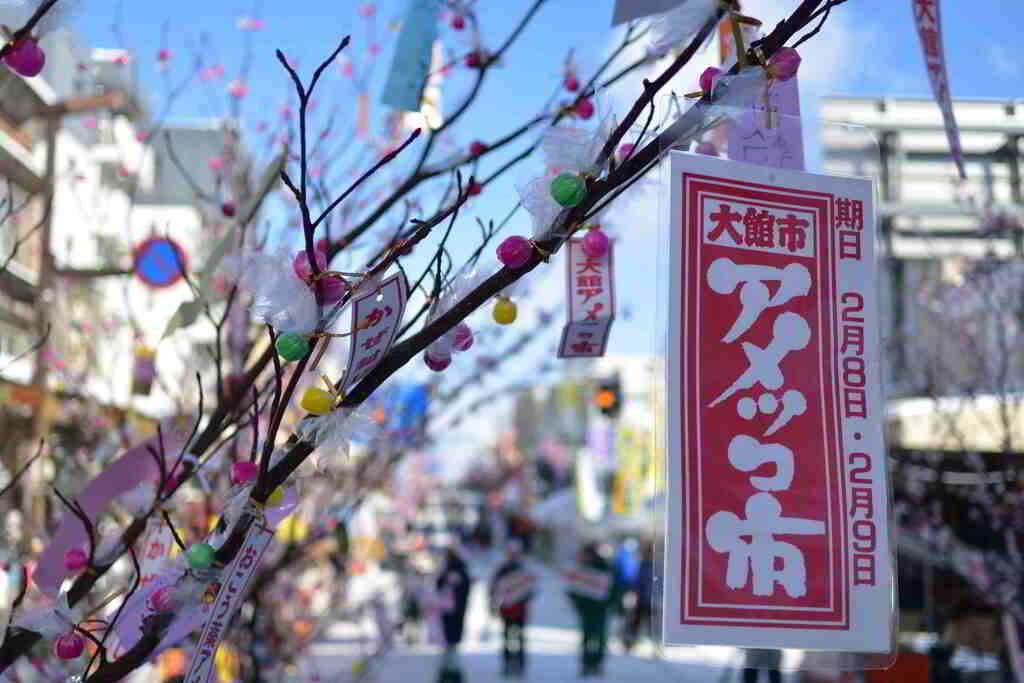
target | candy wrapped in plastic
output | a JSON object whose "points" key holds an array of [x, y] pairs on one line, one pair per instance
{"points": [[543, 209], [333, 432], [679, 25], [280, 299], [734, 94], [568, 148], [49, 620]]}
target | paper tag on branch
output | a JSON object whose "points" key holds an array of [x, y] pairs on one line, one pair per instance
{"points": [[590, 297], [376, 317]]}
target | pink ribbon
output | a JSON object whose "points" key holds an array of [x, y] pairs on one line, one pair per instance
{"points": [[131, 469]]}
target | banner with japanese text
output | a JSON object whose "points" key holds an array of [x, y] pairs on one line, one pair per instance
{"points": [[777, 522], [376, 318], [590, 301]]}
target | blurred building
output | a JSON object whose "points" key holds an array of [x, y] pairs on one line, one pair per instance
{"points": [[934, 228], [114, 183]]}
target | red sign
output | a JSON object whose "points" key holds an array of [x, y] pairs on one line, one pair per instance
{"points": [[777, 534], [590, 299]]}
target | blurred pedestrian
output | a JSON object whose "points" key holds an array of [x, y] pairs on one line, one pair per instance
{"points": [[510, 591], [767, 661], [453, 590], [593, 590], [639, 621]]}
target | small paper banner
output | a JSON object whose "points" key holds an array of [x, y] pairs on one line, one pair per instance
{"points": [[377, 315], [514, 587], [590, 296], [589, 583], [231, 590]]}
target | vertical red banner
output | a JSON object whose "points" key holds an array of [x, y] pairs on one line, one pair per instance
{"points": [[777, 526]]}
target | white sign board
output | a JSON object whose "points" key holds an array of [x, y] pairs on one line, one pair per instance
{"points": [[777, 523]]}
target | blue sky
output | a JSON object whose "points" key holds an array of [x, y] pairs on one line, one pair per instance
{"points": [[867, 48]]}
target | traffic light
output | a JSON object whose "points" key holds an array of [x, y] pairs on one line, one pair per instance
{"points": [[608, 398]]}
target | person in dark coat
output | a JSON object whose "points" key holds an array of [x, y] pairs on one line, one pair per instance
{"points": [[453, 585], [512, 609], [592, 611]]}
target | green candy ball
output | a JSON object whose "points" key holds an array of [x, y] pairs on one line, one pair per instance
{"points": [[568, 189], [200, 555], [292, 346]]}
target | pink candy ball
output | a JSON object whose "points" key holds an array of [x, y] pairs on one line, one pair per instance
{"points": [[462, 338], [75, 559], [707, 148], [436, 363], [301, 263], [624, 151], [595, 243], [243, 472], [784, 63], [458, 22], [584, 108], [69, 645], [238, 90], [707, 79], [160, 600], [332, 288], [228, 209], [26, 58], [572, 84], [163, 54], [477, 148], [515, 251]]}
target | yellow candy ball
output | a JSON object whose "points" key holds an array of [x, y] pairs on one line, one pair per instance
{"points": [[357, 667], [275, 498], [504, 311], [317, 401]]}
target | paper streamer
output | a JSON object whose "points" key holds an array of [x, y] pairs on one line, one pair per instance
{"points": [[410, 65], [141, 605], [119, 477], [928, 20], [235, 581], [769, 137]]}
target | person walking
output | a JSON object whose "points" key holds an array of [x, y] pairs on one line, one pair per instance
{"points": [[762, 660], [593, 590], [510, 592], [452, 586]]}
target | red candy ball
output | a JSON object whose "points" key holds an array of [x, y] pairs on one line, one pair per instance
{"points": [[515, 251], [458, 22], [26, 58], [332, 288], [477, 148], [437, 364], [69, 645], [584, 109], [474, 188], [228, 209], [595, 243], [301, 263], [75, 559], [244, 472], [572, 84], [707, 78], [462, 338], [474, 60]]}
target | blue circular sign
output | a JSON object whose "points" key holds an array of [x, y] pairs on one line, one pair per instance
{"points": [[159, 262]]}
